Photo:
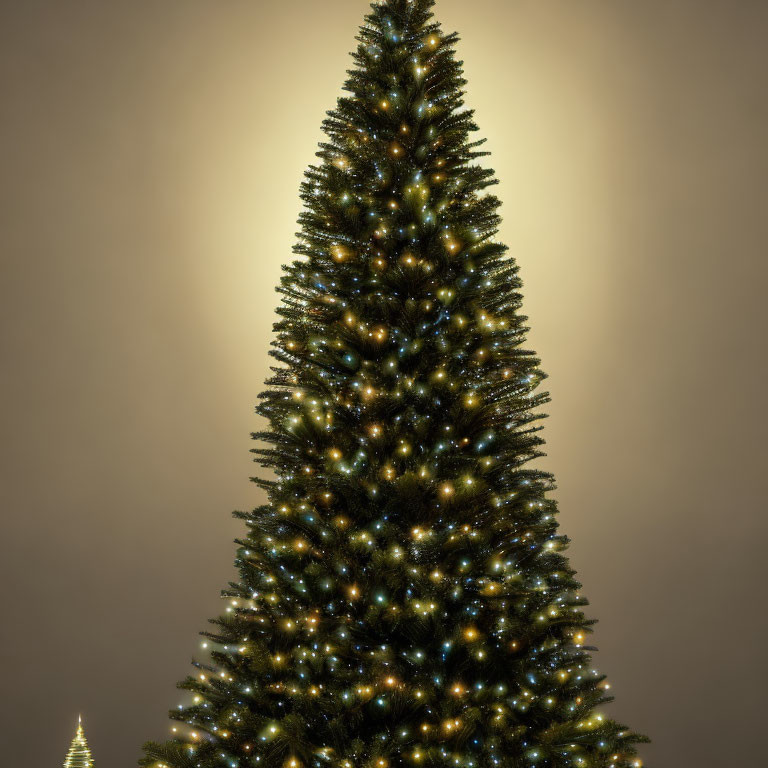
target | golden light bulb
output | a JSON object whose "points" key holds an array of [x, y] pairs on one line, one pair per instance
{"points": [[340, 253]]}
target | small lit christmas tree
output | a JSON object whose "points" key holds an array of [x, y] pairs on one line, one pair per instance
{"points": [[79, 756], [403, 598]]}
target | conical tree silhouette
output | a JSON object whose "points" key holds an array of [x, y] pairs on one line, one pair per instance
{"points": [[403, 598]]}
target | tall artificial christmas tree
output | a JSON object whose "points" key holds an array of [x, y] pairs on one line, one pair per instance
{"points": [[403, 598]]}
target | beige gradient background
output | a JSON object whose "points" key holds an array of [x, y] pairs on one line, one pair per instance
{"points": [[150, 157]]}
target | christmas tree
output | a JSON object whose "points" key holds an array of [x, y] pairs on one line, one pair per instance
{"points": [[403, 597], [79, 755]]}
